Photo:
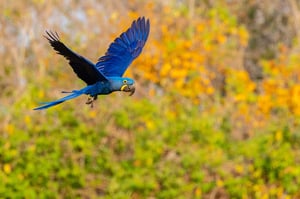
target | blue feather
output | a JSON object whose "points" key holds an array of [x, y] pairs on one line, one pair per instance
{"points": [[124, 49], [56, 102]]}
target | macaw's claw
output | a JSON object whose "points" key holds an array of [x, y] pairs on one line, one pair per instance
{"points": [[91, 101]]}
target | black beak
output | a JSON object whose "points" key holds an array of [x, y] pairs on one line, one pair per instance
{"points": [[132, 90], [128, 88]]}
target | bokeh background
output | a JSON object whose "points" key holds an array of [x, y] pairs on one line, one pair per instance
{"points": [[216, 113]]}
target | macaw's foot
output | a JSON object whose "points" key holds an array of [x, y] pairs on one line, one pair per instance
{"points": [[91, 100]]}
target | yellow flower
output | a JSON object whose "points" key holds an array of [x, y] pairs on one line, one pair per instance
{"points": [[198, 192], [149, 124], [210, 90], [92, 114], [220, 183], [178, 73], [221, 38], [9, 128], [264, 103], [179, 83], [133, 15], [27, 120], [279, 192], [137, 163], [240, 97], [282, 97], [41, 94], [7, 168], [278, 136], [176, 61], [239, 168], [164, 29], [165, 69], [244, 36], [113, 16], [295, 99]]}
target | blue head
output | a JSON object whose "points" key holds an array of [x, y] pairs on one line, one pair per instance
{"points": [[122, 84]]}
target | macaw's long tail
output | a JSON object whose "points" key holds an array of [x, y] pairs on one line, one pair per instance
{"points": [[74, 94]]}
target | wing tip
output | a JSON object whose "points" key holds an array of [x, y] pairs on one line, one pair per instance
{"points": [[137, 34], [142, 24], [51, 36], [142, 20]]}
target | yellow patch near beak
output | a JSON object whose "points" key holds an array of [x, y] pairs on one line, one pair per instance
{"points": [[123, 87]]}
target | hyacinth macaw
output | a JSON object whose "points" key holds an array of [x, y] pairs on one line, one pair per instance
{"points": [[105, 76]]}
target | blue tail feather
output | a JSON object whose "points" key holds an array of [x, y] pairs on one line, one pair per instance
{"points": [[53, 103]]}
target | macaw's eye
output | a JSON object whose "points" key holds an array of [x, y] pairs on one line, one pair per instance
{"points": [[124, 81]]}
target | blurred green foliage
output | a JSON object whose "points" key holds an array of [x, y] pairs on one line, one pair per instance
{"points": [[198, 126]]}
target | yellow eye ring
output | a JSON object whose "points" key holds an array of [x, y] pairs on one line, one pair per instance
{"points": [[124, 81]]}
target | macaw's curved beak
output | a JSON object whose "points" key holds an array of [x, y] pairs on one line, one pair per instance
{"points": [[132, 90], [128, 88]]}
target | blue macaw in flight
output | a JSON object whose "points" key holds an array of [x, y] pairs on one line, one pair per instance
{"points": [[105, 76]]}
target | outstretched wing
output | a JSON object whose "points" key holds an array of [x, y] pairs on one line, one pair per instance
{"points": [[124, 49], [84, 68]]}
